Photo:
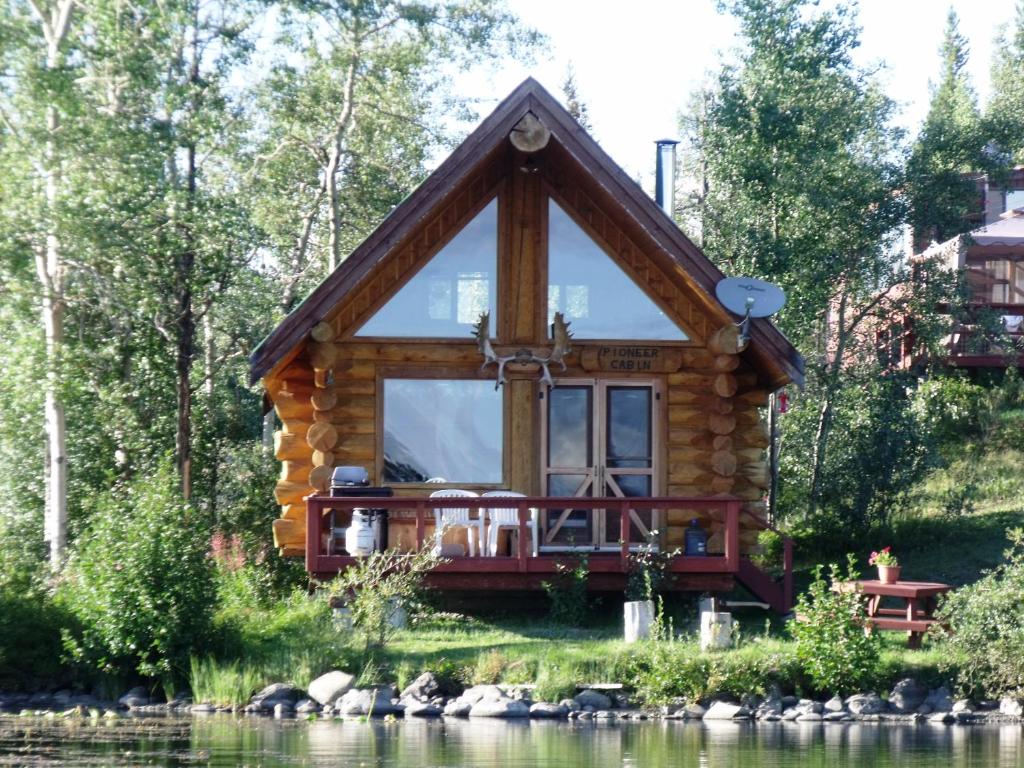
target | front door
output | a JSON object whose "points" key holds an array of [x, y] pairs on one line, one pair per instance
{"points": [[599, 439]]}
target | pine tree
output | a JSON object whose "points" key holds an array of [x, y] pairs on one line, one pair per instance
{"points": [[949, 149], [1004, 117]]}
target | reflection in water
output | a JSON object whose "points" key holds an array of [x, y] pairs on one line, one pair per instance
{"points": [[450, 743]]}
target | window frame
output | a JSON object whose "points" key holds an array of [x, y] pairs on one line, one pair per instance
{"points": [[496, 194], [550, 194], [439, 373]]}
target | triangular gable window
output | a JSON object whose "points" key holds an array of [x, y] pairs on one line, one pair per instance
{"points": [[446, 297], [594, 293]]}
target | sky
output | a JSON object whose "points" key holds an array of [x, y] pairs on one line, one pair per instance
{"points": [[637, 62]]}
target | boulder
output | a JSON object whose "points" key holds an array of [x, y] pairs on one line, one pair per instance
{"points": [[962, 705], [807, 705], [136, 697], [423, 687], [589, 698], [906, 696], [367, 701], [835, 704], [940, 700], [545, 710], [836, 717], [307, 707], [417, 708], [809, 717], [274, 694], [458, 708], [694, 712], [330, 687], [503, 707], [480, 692], [865, 704], [942, 718], [723, 710], [1012, 707]]}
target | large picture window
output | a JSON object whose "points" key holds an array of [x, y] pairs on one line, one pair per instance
{"points": [[594, 293], [448, 429], [446, 297]]}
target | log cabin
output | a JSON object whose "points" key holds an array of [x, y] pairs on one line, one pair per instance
{"points": [[529, 320]]}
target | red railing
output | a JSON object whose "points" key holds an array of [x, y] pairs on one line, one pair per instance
{"points": [[319, 562]]}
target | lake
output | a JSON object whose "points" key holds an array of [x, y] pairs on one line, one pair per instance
{"points": [[221, 740]]}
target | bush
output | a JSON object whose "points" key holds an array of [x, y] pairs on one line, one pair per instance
{"points": [[378, 585], [140, 583], [567, 593], [984, 644], [831, 645], [30, 639]]}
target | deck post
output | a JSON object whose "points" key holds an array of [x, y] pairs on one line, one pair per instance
{"points": [[421, 525], [523, 542], [787, 572], [313, 521], [732, 535], [624, 534]]}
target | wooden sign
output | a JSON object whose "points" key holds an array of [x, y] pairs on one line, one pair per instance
{"points": [[628, 358]]}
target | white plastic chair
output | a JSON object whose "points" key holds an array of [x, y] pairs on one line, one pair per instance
{"points": [[457, 517], [506, 517]]}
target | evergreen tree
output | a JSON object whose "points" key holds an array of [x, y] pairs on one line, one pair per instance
{"points": [[576, 106], [1005, 113], [949, 151]]}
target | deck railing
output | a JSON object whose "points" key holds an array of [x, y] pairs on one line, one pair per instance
{"points": [[319, 562]]}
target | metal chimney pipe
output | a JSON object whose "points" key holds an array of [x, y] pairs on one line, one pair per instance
{"points": [[665, 175]]}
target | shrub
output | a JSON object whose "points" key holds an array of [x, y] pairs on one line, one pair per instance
{"points": [[140, 583], [984, 644], [376, 586], [648, 572], [30, 638], [831, 644], [567, 593]]}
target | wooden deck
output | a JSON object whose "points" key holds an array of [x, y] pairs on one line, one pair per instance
{"points": [[526, 571]]}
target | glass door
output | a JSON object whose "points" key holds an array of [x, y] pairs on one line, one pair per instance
{"points": [[628, 457], [599, 439], [569, 463]]}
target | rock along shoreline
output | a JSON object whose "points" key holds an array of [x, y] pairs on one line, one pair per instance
{"points": [[334, 696]]}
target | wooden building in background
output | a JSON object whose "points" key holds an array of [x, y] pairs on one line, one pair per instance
{"points": [[385, 366]]}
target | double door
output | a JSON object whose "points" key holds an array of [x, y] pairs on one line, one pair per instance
{"points": [[599, 439]]}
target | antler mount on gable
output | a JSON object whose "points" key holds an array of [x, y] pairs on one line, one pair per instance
{"points": [[524, 355]]}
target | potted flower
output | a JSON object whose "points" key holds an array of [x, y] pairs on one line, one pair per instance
{"points": [[888, 565]]}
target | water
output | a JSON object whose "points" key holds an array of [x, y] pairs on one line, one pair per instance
{"points": [[226, 741]]}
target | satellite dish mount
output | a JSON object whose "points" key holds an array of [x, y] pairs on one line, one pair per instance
{"points": [[749, 297]]}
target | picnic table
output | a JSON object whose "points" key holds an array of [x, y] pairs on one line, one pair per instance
{"points": [[917, 612]]}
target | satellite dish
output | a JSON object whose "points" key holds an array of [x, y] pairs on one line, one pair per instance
{"points": [[750, 297]]}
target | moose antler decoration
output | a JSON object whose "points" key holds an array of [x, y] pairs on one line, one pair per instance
{"points": [[563, 346]]}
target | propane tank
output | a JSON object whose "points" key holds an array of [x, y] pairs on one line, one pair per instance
{"points": [[359, 535]]}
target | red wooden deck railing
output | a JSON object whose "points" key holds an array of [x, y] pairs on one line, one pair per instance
{"points": [[319, 562]]}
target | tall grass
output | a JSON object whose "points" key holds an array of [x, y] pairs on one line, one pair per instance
{"points": [[224, 684]]}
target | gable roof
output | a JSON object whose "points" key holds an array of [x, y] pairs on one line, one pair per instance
{"points": [[769, 346]]}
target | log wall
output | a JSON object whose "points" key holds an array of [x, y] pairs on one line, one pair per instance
{"points": [[713, 436]]}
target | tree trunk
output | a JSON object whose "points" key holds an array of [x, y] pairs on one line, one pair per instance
{"points": [[832, 370], [334, 165], [50, 271]]}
